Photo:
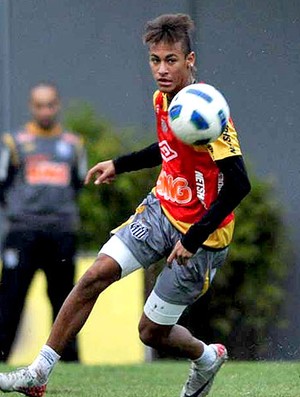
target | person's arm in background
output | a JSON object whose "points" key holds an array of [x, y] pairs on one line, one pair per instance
{"points": [[81, 166], [8, 164]]}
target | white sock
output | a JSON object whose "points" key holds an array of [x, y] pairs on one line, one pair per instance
{"points": [[208, 356], [45, 362]]}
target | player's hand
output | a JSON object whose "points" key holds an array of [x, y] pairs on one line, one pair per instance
{"points": [[103, 172], [180, 254]]}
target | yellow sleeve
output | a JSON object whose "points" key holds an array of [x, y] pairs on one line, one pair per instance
{"points": [[226, 145], [9, 142]]}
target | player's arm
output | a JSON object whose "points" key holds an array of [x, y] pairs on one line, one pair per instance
{"points": [[106, 171], [236, 186], [146, 158]]}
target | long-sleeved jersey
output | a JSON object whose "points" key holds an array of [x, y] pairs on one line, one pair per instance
{"points": [[198, 187], [190, 180], [40, 175]]}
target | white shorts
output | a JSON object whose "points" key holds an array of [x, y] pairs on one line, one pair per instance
{"points": [[116, 249], [156, 309], [161, 312]]}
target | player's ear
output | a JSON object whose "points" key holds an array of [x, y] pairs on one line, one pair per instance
{"points": [[191, 59]]}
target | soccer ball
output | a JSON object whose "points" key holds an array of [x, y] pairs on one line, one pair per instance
{"points": [[198, 114]]}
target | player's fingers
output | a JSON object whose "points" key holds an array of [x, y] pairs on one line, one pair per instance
{"points": [[104, 177], [91, 173], [182, 261], [87, 178], [109, 180], [170, 258]]}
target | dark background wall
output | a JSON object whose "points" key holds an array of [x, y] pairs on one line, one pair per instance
{"points": [[93, 51]]}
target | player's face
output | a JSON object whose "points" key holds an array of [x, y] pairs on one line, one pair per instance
{"points": [[44, 106], [171, 67]]}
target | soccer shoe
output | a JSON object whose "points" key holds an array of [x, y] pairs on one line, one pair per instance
{"points": [[200, 379], [23, 381]]}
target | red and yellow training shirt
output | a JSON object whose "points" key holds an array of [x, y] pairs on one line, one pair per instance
{"points": [[190, 180]]}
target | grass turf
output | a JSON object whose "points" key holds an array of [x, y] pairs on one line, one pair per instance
{"points": [[165, 379]]}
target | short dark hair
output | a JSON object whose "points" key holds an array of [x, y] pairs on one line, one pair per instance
{"points": [[170, 28]]}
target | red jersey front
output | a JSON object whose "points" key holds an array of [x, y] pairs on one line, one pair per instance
{"points": [[190, 180]]}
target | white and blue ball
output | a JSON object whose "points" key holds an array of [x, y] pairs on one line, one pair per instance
{"points": [[198, 114]]}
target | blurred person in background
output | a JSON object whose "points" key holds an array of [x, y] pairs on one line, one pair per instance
{"points": [[42, 168]]}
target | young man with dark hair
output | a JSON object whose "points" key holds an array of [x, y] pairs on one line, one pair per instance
{"points": [[192, 234]]}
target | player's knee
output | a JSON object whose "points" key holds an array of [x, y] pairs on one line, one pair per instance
{"points": [[147, 335], [152, 334]]}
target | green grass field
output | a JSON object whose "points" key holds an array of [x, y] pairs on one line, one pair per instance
{"points": [[165, 379]]}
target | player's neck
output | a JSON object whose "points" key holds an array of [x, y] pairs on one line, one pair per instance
{"points": [[35, 129], [170, 96]]}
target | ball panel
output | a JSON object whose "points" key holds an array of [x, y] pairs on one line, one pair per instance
{"points": [[174, 112], [199, 121], [201, 94], [223, 119]]}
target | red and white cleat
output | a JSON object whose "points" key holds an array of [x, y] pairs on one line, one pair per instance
{"points": [[200, 379], [23, 381]]}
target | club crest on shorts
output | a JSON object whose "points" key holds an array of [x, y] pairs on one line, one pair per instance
{"points": [[139, 231]]}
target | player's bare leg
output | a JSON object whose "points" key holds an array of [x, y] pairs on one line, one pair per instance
{"points": [[32, 380], [81, 301], [206, 359], [173, 338]]}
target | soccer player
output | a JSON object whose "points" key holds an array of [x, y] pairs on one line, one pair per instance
{"points": [[187, 219]]}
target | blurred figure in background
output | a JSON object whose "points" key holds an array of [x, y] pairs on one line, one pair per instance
{"points": [[42, 168]]}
